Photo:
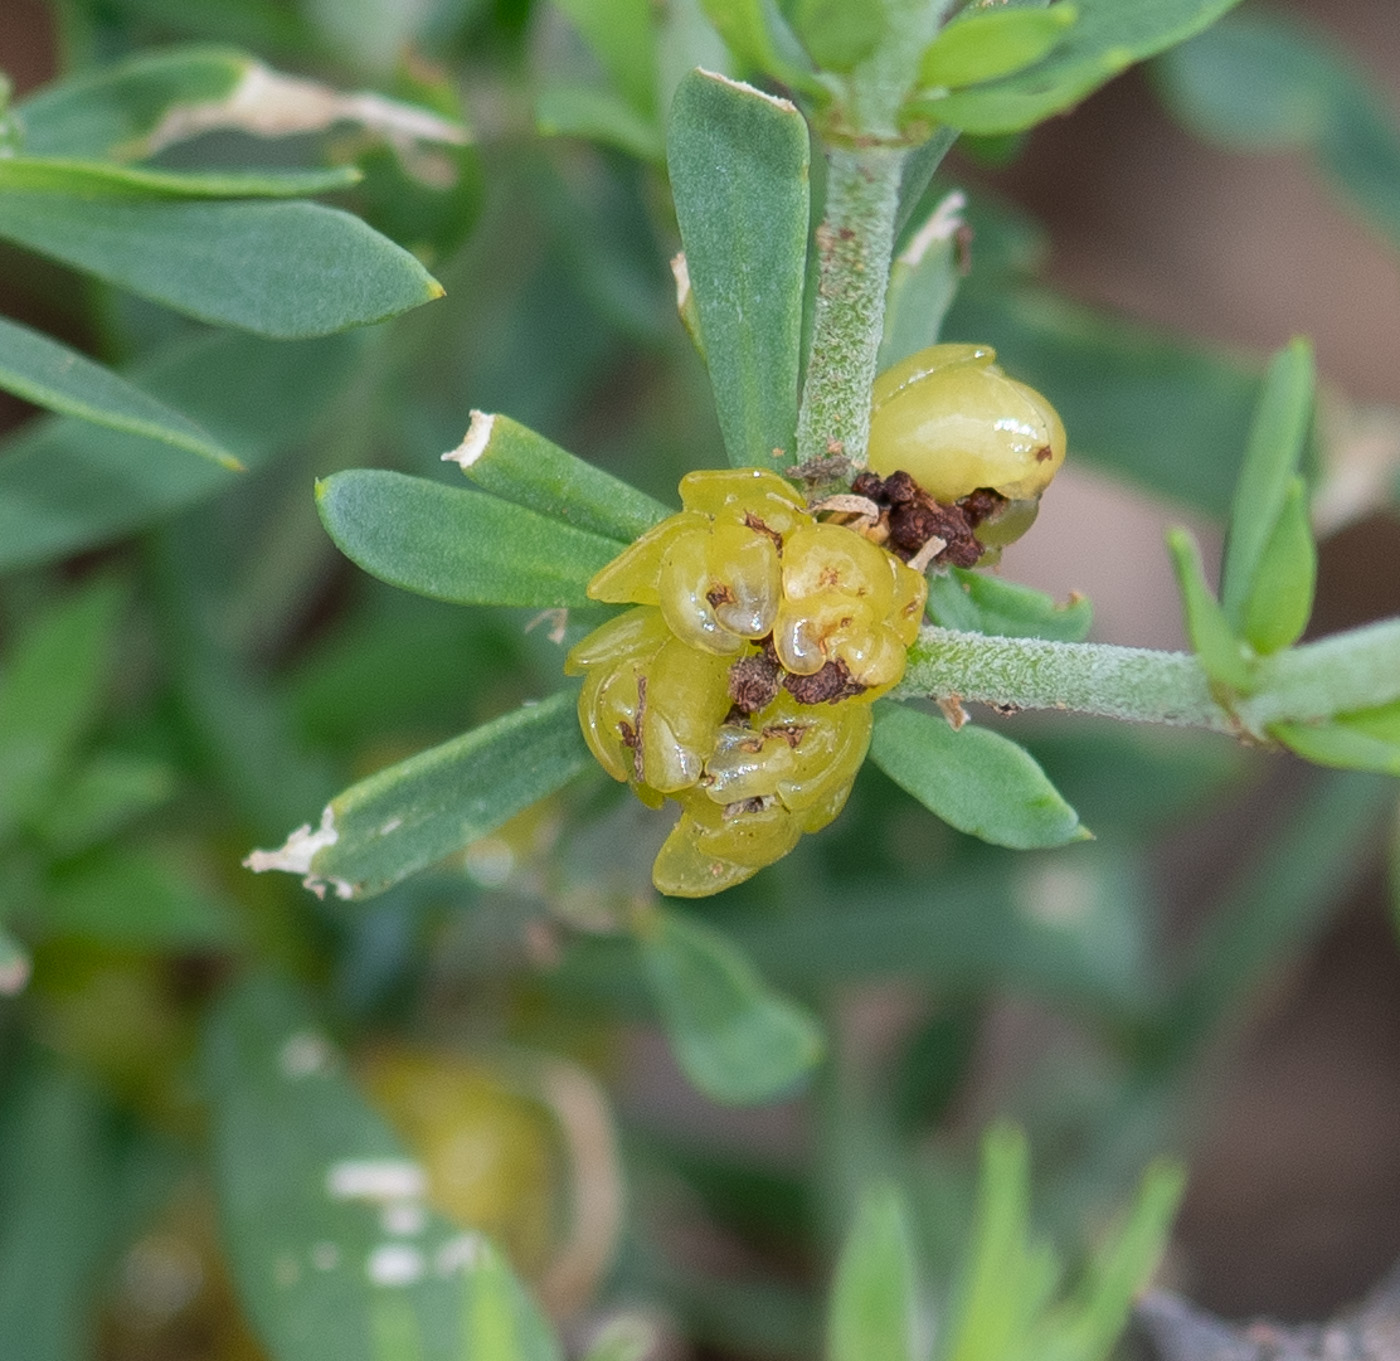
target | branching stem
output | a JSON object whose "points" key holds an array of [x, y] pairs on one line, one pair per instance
{"points": [[1349, 671]]}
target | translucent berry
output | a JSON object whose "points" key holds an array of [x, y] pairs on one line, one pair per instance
{"points": [[952, 419]]}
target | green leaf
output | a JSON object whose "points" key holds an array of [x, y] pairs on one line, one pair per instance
{"points": [[1133, 397], [753, 30], [282, 270], [1006, 1278], [304, 1171], [1087, 1326], [50, 688], [1212, 638], [872, 1312], [1280, 604], [453, 544], [974, 602], [1110, 36], [738, 1041], [108, 791], [622, 36], [66, 485], [412, 814], [1262, 82], [1282, 422], [49, 374], [134, 898], [923, 279], [838, 34], [739, 161], [1346, 743], [103, 179], [513, 462], [977, 780], [985, 44], [110, 112], [598, 116]]}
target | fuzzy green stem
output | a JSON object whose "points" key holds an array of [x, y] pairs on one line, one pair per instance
{"points": [[1350, 671], [855, 243]]}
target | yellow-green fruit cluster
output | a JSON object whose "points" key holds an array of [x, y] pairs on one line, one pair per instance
{"points": [[740, 685], [956, 423]]}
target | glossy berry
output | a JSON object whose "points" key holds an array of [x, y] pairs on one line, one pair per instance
{"points": [[952, 419], [740, 685]]}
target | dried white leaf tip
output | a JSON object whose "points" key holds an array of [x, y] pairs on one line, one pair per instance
{"points": [[785, 104], [680, 272], [300, 850], [942, 225], [474, 443]]}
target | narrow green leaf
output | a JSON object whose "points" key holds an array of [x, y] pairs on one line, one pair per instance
{"points": [[513, 462], [51, 375], [977, 780], [1261, 81], [104, 179], [754, 32], [133, 898], [739, 161], [1279, 606], [66, 485], [453, 544], [1212, 639], [974, 602], [622, 36], [986, 44], [598, 116], [1342, 745], [282, 270], [108, 791], [923, 280], [1108, 37], [1282, 421], [838, 35], [111, 111], [304, 1171], [412, 814], [738, 1041], [1087, 1326], [872, 1313], [50, 688], [1005, 1278]]}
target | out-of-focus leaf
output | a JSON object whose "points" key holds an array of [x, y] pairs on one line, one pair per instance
{"points": [[736, 1039], [1088, 1325], [987, 44], [1261, 81], [976, 603], [453, 544], [738, 161], [50, 687], [1108, 37], [1133, 399], [872, 1313], [103, 179], [57, 1193], [837, 34], [66, 485], [629, 1337], [283, 270], [1006, 1277], [622, 36], [977, 780], [759, 39], [105, 793], [305, 1172], [1212, 638], [598, 116], [1280, 604], [14, 965], [129, 896], [1279, 431], [416, 812], [49, 374], [513, 462], [1349, 742], [923, 279]]}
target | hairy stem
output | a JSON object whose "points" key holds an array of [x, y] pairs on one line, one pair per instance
{"points": [[1350, 671], [855, 242]]}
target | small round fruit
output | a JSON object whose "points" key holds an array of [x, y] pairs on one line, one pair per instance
{"points": [[955, 422]]}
